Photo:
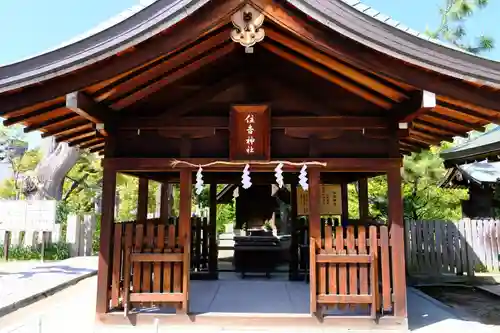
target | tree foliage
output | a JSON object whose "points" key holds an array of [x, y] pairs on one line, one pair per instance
{"points": [[452, 27]]}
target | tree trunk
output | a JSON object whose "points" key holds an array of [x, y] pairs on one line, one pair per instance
{"points": [[46, 181]]}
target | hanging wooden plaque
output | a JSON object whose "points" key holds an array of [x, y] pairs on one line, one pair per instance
{"points": [[331, 200], [250, 132]]}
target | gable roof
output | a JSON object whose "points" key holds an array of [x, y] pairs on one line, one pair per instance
{"points": [[479, 173], [485, 146], [351, 18], [358, 39]]}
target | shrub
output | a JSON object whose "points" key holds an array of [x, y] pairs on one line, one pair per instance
{"points": [[57, 251]]}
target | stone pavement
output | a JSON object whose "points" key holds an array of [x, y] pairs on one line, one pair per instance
{"points": [[22, 283], [428, 315], [73, 310]]}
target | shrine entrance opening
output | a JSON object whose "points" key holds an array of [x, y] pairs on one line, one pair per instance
{"points": [[295, 249]]}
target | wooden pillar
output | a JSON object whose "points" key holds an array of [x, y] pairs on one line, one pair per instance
{"points": [[364, 212], [344, 192], [142, 200], [105, 242], [396, 225], [314, 231], [212, 242], [164, 204], [294, 246], [185, 231]]}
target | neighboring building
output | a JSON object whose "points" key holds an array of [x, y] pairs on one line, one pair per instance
{"points": [[481, 179], [473, 165], [483, 147]]}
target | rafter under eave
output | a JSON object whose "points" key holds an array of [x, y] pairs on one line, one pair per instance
{"points": [[89, 109]]}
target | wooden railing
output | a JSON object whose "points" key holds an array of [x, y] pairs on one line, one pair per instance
{"points": [[347, 268], [148, 264]]}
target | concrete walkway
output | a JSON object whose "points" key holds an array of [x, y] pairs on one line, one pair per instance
{"points": [[22, 283]]}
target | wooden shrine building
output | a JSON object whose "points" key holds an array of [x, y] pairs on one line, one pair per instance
{"points": [[239, 87], [474, 165]]}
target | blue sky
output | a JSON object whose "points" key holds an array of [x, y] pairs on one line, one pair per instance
{"points": [[29, 27]]}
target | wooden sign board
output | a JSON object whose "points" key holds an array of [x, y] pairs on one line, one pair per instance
{"points": [[331, 200], [250, 132]]}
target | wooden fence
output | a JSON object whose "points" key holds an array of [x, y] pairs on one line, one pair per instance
{"points": [[149, 258], [353, 266], [463, 247]]}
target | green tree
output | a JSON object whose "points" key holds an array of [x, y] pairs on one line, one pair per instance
{"points": [[14, 151], [452, 27], [82, 185], [422, 172]]}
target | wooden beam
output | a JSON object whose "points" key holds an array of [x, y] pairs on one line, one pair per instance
{"points": [[431, 135], [143, 79], [204, 95], [466, 105], [85, 135], [431, 126], [91, 143], [341, 122], [75, 132], [423, 137], [364, 57], [443, 115], [51, 122], [200, 23], [82, 140], [335, 65], [26, 116], [447, 107], [169, 164], [259, 178], [97, 148], [342, 82], [80, 124], [172, 77], [89, 109], [285, 87], [415, 143], [420, 101]]}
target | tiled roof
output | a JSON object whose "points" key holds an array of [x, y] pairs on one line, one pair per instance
{"points": [[477, 148], [372, 12]]}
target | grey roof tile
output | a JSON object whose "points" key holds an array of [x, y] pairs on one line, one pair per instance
{"points": [[351, 2], [361, 7], [382, 17], [371, 12]]}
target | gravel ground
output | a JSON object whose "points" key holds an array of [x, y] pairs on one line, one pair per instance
{"points": [[473, 304]]}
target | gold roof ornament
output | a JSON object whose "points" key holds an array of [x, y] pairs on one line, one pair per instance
{"points": [[248, 27]]}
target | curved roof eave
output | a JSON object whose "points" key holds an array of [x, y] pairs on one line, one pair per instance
{"points": [[141, 25], [358, 23], [346, 17]]}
